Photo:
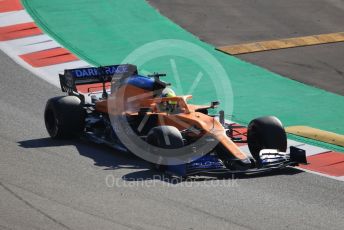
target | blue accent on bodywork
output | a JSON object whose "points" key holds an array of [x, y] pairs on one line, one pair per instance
{"points": [[178, 170], [141, 82], [206, 162]]}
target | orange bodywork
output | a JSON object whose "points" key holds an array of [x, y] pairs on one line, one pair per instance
{"points": [[129, 100]]}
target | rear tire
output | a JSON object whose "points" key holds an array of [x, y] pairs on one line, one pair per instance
{"points": [[64, 117], [266, 133]]}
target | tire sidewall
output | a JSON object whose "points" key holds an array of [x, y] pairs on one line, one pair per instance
{"points": [[68, 115], [266, 133]]}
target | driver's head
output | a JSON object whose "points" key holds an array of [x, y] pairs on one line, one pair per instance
{"points": [[168, 92]]}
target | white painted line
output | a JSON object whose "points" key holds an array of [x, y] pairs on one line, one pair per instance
{"points": [[14, 17], [310, 149], [339, 178], [32, 44], [9, 51], [16, 47], [51, 73]]}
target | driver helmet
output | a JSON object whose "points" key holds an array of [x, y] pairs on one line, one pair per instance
{"points": [[168, 92]]}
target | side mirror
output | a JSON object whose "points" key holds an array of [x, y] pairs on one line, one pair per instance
{"points": [[157, 75], [214, 104]]}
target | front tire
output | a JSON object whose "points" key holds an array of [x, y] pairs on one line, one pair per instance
{"points": [[64, 117], [166, 137], [266, 133]]}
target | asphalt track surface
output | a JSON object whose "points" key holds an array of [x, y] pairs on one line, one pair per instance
{"points": [[48, 184], [228, 22]]}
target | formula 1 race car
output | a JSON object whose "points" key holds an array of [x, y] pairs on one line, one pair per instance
{"points": [[114, 105]]}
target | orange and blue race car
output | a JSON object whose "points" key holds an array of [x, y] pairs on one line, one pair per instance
{"points": [[141, 114]]}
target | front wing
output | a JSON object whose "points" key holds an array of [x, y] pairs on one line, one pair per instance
{"points": [[211, 165]]}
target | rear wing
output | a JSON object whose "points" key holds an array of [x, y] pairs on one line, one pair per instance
{"points": [[93, 75]]}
